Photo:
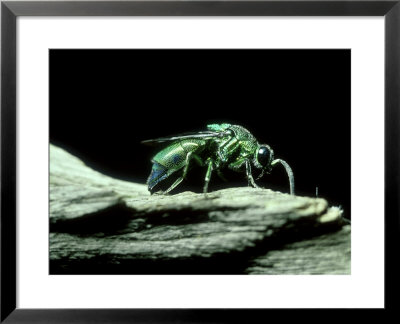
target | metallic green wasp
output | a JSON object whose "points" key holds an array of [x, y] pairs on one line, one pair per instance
{"points": [[221, 146]]}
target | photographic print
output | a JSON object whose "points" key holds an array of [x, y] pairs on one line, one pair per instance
{"points": [[200, 161]]}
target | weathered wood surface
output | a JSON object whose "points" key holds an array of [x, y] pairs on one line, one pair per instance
{"points": [[103, 225]]}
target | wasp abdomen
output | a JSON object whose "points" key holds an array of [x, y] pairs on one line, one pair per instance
{"points": [[158, 173]]}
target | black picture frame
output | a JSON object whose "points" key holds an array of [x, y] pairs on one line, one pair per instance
{"points": [[10, 10]]}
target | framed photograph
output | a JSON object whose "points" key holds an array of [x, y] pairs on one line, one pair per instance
{"points": [[197, 161]]}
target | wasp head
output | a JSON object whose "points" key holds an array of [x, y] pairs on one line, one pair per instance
{"points": [[263, 158]]}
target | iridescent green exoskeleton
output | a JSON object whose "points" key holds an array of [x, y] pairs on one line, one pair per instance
{"points": [[221, 146]]}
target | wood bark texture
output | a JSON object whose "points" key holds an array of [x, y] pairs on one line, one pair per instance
{"points": [[102, 225]]}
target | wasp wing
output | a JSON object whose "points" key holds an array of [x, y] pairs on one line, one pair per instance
{"points": [[204, 135]]}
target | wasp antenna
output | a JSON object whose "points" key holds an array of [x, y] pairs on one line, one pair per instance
{"points": [[288, 171]]}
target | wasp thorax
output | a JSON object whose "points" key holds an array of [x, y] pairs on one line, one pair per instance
{"points": [[264, 155]]}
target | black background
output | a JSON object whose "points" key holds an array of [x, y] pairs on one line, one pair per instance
{"points": [[104, 102]]}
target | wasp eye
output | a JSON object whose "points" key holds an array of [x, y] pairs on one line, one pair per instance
{"points": [[263, 155]]}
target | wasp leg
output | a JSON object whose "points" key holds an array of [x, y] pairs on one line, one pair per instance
{"points": [[236, 166], [185, 170], [197, 159], [208, 176], [221, 175], [250, 178], [226, 147]]}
